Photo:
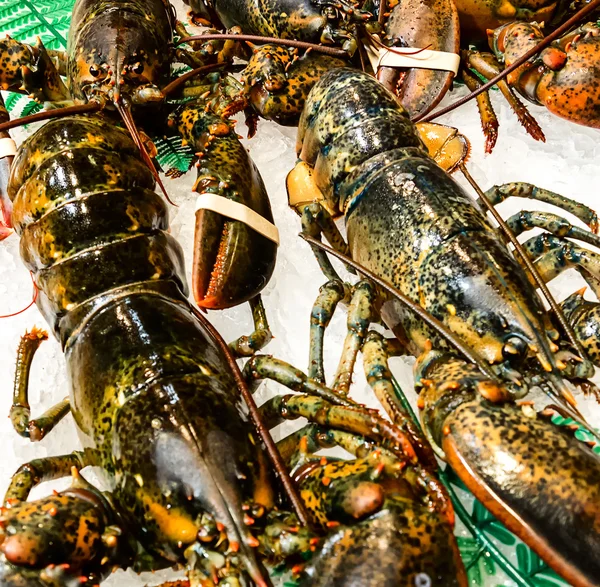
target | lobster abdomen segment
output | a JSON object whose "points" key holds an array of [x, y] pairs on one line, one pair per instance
{"points": [[88, 217]]}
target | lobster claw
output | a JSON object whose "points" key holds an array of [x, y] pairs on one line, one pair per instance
{"points": [[381, 550], [534, 476], [421, 25], [63, 540], [232, 261], [278, 82]]}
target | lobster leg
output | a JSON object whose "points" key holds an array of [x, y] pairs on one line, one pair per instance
{"points": [[330, 294], [489, 121], [380, 379], [246, 346], [359, 318], [39, 471], [20, 411], [317, 221], [553, 255], [487, 66], [263, 367], [557, 225], [499, 193]]}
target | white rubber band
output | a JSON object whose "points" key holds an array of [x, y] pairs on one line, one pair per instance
{"points": [[412, 57], [237, 211], [8, 148]]}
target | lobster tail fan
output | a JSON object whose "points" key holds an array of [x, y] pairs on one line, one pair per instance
{"points": [[125, 113]]}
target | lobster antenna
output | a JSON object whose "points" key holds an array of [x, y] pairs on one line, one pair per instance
{"points": [[33, 300], [135, 135], [579, 15], [174, 85], [271, 40], [430, 320], [56, 113], [264, 434]]}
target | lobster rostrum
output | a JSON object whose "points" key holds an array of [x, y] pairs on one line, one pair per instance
{"points": [[412, 227], [160, 413]]}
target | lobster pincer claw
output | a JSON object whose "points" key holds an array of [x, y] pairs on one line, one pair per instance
{"points": [[563, 77], [420, 25], [391, 547], [64, 540], [534, 476], [233, 260], [382, 526]]}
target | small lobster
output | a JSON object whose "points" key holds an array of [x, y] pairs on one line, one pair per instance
{"points": [[468, 311]]}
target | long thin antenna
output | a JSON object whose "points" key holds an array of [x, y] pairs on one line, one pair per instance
{"points": [[56, 113], [170, 88], [270, 40], [135, 135], [520, 61], [414, 307], [265, 435]]}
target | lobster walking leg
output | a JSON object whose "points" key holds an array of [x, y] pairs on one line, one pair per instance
{"points": [[247, 345], [380, 379], [330, 294], [39, 471], [20, 410], [498, 194], [359, 318], [316, 220], [554, 254], [486, 65], [525, 220], [489, 121]]}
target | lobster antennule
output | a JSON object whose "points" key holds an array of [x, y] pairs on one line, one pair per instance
{"points": [[125, 113]]}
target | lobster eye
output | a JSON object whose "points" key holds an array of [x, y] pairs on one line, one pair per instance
{"points": [[94, 71], [138, 68]]}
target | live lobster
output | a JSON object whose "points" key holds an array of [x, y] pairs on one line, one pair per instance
{"points": [[468, 312]]}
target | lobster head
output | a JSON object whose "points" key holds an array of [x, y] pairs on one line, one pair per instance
{"points": [[120, 54], [63, 540]]}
